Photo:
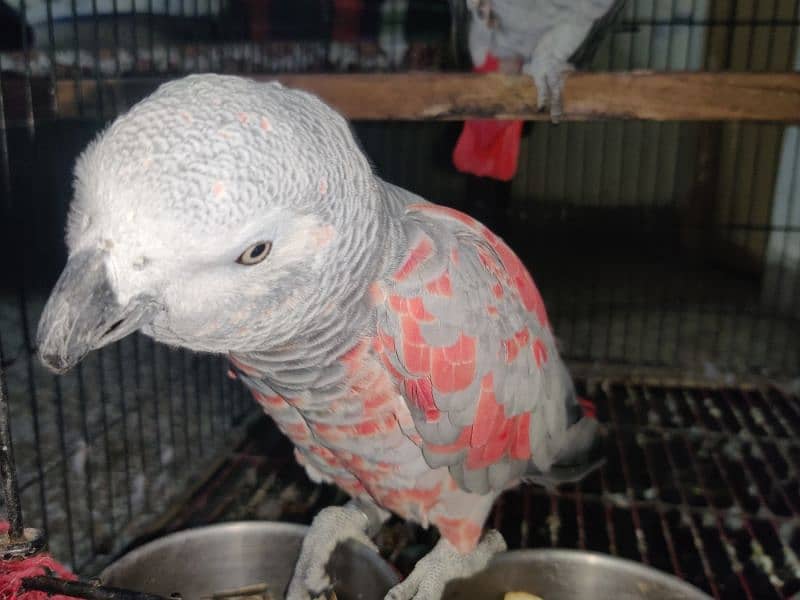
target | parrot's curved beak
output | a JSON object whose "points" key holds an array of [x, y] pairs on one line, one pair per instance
{"points": [[83, 314]]}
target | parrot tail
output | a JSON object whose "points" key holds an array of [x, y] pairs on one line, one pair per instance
{"points": [[487, 147], [582, 451]]}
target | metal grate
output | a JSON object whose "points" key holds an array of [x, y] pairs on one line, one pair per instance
{"points": [[702, 483]]}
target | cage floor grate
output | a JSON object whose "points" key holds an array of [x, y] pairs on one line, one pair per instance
{"points": [[700, 483]]}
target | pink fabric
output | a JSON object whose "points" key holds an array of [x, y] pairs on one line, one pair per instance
{"points": [[12, 572]]}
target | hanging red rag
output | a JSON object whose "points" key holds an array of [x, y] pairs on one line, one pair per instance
{"points": [[488, 147], [12, 572]]}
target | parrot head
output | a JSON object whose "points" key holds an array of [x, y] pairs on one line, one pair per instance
{"points": [[219, 214]]}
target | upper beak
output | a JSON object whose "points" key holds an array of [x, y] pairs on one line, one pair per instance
{"points": [[83, 314]]}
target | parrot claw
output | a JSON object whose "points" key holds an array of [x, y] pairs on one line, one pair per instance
{"points": [[331, 526], [443, 564], [549, 78]]}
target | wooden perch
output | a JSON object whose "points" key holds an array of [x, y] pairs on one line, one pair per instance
{"points": [[637, 95], [457, 96]]}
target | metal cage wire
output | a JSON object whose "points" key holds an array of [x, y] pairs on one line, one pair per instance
{"points": [[654, 244], [700, 481]]}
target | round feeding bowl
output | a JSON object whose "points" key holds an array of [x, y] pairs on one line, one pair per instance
{"points": [[570, 575], [242, 556]]}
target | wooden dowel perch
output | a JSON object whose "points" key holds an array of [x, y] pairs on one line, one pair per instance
{"points": [[637, 95], [457, 96]]}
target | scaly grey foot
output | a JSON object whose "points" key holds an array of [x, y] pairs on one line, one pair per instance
{"points": [[332, 526], [549, 76], [443, 564]]}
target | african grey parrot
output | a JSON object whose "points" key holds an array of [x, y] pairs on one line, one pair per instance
{"points": [[545, 39], [400, 345]]}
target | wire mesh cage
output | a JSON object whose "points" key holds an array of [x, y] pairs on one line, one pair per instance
{"points": [[672, 246], [700, 482]]}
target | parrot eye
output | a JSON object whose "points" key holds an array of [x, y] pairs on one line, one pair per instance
{"points": [[255, 254]]}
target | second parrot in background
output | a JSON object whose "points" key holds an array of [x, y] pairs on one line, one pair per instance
{"points": [[545, 39]]}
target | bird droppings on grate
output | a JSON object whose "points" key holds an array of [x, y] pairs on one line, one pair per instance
{"points": [[700, 483]]}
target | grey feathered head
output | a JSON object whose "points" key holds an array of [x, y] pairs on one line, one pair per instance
{"points": [[218, 214]]}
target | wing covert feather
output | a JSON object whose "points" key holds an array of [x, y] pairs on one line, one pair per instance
{"points": [[464, 330]]}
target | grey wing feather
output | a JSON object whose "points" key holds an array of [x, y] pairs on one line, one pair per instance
{"points": [[519, 385]]}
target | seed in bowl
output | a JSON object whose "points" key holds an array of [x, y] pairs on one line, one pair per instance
{"points": [[521, 596]]}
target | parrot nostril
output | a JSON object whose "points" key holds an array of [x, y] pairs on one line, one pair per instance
{"points": [[113, 327]]}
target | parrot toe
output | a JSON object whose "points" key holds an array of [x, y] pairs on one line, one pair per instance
{"points": [[555, 84], [332, 526], [542, 91], [549, 77], [443, 564]]}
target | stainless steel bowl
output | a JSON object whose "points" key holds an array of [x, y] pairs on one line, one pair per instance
{"points": [[570, 575], [197, 563]]}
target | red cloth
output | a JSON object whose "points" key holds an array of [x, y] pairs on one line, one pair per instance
{"points": [[12, 572], [488, 147]]}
